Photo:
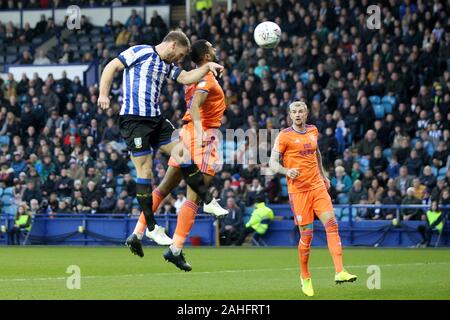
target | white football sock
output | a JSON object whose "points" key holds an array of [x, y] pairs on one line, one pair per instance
{"points": [[139, 235], [175, 250]]}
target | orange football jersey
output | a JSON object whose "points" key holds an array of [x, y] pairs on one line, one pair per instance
{"points": [[212, 110], [298, 150]]}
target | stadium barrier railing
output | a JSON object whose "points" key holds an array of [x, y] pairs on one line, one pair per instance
{"points": [[112, 229]]}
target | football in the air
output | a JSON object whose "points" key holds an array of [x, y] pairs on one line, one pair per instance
{"points": [[267, 34]]}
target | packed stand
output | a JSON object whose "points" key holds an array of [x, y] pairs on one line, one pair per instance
{"points": [[380, 99]]}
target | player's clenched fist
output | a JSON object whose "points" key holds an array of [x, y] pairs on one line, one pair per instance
{"points": [[103, 102], [292, 173]]}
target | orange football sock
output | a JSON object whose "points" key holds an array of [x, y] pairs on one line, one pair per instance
{"points": [[304, 248], [142, 224], [185, 221], [334, 243]]}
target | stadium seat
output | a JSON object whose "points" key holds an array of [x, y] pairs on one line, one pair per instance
{"points": [[96, 38], [387, 153], [36, 40], [4, 140], [389, 99], [284, 188], [10, 210], [435, 171], [443, 171], [73, 46], [84, 39], [364, 164], [304, 77], [23, 48], [51, 55], [96, 31], [430, 149], [284, 191], [338, 213], [72, 39], [11, 50], [109, 39], [85, 47], [374, 100], [10, 59], [388, 107], [378, 109], [342, 198], [6, 200], [8, 191]]}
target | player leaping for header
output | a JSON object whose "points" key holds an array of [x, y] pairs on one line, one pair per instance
{"points": [[145, 69], [198, 145], [307, 185]]}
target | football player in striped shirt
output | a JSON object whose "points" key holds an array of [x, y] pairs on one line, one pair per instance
{"points": [[145, 70]]}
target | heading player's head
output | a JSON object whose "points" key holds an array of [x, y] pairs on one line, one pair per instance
{"points": [[298, 111], [202, 52], [177, 46]]}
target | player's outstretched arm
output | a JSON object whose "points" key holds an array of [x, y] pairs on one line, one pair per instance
{"points": [[193, 76], [106, 80], [321, 169]]}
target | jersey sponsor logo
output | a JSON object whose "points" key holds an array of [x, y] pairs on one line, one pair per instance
{"points": [[307, 152], [138, 142], [313, 138]]}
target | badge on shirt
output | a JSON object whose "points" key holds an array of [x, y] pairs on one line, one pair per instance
{"points": [[138, 142]]}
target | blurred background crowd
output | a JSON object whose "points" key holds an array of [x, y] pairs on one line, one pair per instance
{"points": [[380, 99]]}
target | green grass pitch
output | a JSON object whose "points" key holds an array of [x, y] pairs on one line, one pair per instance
{"points": [[219, 273]]}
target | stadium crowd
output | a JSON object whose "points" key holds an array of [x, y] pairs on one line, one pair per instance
{"points": [[380, 99], [48, 4]]}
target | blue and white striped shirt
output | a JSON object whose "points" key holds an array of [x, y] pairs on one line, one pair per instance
{"points": [[143, 77]]}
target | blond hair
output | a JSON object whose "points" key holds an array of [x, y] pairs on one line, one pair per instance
{"points": [[179, 37], [298, 104]]}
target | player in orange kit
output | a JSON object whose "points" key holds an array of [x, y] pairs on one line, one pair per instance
{"points": [[297, 147], [197, 150]]}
